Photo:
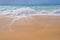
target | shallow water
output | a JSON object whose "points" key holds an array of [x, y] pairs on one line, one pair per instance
{"points": [[26, 10]]}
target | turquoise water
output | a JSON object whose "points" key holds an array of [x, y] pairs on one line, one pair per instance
{"points": [[30, 9]]}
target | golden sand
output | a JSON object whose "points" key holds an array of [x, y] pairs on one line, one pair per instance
{"points": [[35, 28]]}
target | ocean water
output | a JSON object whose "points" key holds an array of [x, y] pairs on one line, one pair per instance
{"points": [[53, 10]]}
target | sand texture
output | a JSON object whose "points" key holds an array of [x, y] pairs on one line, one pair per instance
{"points": [[31, 28]]}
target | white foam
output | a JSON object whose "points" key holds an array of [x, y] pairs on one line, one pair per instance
{"points": [[27, 11]]}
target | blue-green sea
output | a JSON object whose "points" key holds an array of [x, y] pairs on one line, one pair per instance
{"points": [[39, 9]]}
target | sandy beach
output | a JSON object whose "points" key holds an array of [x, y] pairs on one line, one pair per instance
{"points": [[34, 28]]}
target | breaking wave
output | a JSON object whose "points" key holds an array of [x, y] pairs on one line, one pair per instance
{"points": [[8, 10]]}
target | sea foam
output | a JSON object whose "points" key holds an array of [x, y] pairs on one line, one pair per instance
{"points": [[12, 10]]}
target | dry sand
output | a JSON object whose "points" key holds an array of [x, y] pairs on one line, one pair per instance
{"points": [[35, 28]]}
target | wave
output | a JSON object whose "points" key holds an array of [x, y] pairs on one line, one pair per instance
{"points": [[8, 10], [18, 11]]}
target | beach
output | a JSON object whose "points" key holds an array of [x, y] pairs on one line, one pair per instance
{"points": [[31, 28]]}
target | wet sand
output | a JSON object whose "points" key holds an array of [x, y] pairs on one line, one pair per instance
{"points": [[35, 28]]}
